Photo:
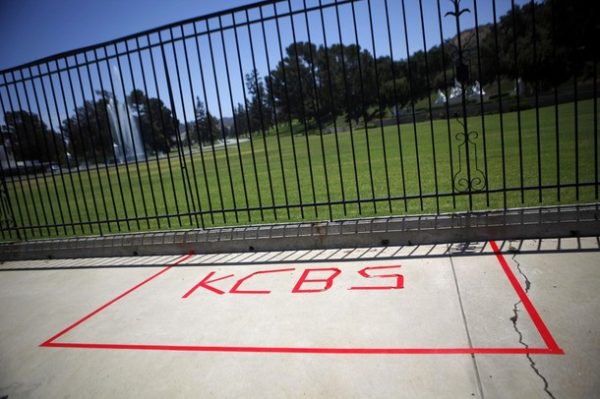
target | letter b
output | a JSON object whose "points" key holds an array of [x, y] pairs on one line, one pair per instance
{"points": [[304, 279]]}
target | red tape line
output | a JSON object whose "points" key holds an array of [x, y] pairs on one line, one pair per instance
{"points": [[535, 317], [552, 347]]}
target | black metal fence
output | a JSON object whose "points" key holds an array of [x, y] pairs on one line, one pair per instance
{"points": [[305, 110]]}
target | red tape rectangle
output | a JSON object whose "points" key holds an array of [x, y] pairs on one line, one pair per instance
{"points": [[552, 346]]}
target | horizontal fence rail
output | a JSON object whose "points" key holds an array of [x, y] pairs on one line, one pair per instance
{"points": [[305, 110]]}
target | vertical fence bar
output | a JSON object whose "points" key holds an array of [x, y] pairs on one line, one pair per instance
{"points": [[175, 122], [188, 130], [45, 181], [332, 107], [412, 104], [64, 143], [136, 161], [151, 134], [364, 106], [500, 110], [347, 99], [47, 148], [12, 180], [30, 222], [119, 131], [24, 158], [62, 177], [381, 109], [576, 134], [110, 144], [6, 216], [187, 65], [463, 97], [447, 106], [537, 102], [275, 118], [94, 146], [260, 111], [518, 93], [209, 125], [7, 209], [316, 104], [136, 100], [427, 79], [225, 147], [85, 156], [216, 82], [114, 130], [397, 111], [482, 110], [290, 123], [200, 141], [167, 144], [34, 171], [303, 114], [595, 88], [187, 133], [556, 114], [70, 135], [239, 57]]}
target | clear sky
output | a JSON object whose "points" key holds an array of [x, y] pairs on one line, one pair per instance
{"points": [[32, 29]]}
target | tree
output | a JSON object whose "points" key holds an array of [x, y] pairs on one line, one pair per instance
{"points": [[291, 82], [317, 85], [240, 122], [31, 140], [208, 125], [564, 37], [353, 70], [158, 125], [259, 107], [89, 132]]}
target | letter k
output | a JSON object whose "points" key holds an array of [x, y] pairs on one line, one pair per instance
{"points": [[204, 283]]}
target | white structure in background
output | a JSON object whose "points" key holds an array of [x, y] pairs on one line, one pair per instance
{"points": [[229, 141], [455, 93], [441, 98], [519, 88], [473, 93], [476, 92], [124, 128]]}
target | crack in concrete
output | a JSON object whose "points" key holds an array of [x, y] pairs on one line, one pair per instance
{"points": [[514, 320]]}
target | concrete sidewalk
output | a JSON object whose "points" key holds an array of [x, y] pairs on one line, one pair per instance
{"points": [[505, 320]]}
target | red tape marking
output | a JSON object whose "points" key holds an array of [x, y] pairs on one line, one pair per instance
{"points": [[552, 347], [339, 351], [236, 288], [129, 291], [204, 284], [535, 317]]}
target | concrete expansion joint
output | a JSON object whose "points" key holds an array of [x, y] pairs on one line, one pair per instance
{"points": [[514, 319]]}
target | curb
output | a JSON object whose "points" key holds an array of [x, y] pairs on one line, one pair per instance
{"points": [[523, 223]]}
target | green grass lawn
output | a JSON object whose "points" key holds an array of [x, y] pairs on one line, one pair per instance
{"points": [[237, 181]]}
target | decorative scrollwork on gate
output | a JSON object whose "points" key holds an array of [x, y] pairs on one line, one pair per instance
{"points": [[474, 179], [470, 177]]}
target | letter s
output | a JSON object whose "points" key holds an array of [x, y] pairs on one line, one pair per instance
{"points": [[399, 278]]}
